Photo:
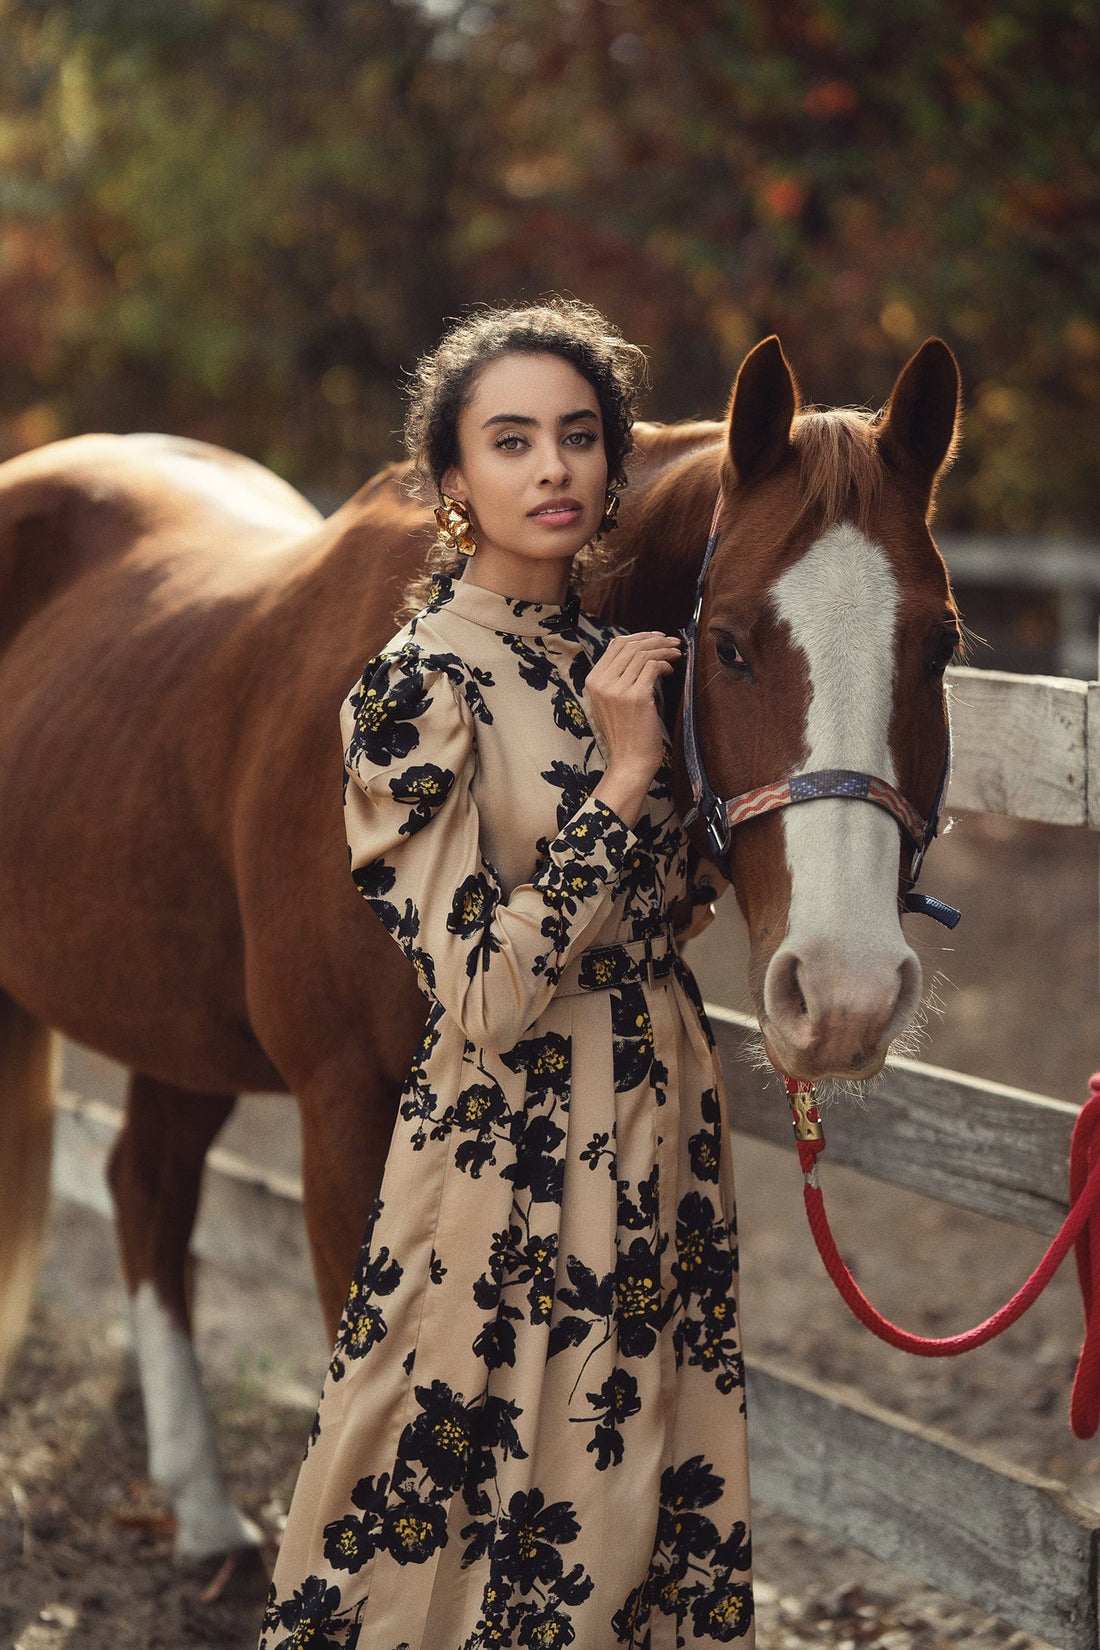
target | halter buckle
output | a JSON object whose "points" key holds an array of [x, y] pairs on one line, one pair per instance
{"points": [[717, 825]]}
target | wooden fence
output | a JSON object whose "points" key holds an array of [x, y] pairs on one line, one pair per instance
{"points": [[1016, 1545], [1067, 569], [1005, 1540]]}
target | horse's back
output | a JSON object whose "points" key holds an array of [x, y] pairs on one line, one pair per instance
{"points": [[104, 466], [177, 629]]}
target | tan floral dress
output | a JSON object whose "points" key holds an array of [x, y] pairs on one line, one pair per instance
{"points": [[532, 1431]]}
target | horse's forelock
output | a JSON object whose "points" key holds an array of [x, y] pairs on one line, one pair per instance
{"points": [[840, 468]]}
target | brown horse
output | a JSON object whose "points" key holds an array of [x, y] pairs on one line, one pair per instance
{"points": [[177, 631]]}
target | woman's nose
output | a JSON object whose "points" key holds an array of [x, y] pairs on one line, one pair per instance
{"points": [[555, 470]]}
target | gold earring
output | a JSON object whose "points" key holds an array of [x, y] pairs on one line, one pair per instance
{"points": [[610, 515], [455, 528]]}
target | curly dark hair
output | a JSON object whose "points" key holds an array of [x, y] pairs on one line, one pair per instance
{"points": [[442, 382]]}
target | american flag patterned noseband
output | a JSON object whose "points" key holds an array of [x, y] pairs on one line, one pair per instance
{"points": [[721, 817]]}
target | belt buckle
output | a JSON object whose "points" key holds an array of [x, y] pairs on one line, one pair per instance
{"points": [[649, 961]]}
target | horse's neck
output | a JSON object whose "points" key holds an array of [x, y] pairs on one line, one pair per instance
{"points": [[656, 554]]}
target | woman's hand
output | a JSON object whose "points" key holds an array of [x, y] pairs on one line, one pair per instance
{"points": [[620, 689]]}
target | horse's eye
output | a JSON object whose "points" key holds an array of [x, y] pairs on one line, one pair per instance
{"points": [[730, 654], [944, 648]]}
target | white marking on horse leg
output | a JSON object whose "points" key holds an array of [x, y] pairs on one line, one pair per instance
{"points": [[183, 1454], [840, 602]]}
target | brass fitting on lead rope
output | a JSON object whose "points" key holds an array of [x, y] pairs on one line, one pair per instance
{"points": [[804, 1113], [808, 1132]]}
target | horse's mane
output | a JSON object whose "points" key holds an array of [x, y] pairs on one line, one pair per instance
{"points": [[839, 463], [840, 470]]}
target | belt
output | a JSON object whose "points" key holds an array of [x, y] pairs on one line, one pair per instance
{"points": [[602, 967]]}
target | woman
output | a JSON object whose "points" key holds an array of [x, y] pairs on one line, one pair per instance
{"points": [[532, 1431]]}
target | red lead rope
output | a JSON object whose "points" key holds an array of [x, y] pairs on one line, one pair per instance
{"points": [[1079, 1228]]}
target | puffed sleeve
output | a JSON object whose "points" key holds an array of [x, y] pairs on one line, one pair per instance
{"points": [[414, 841]]}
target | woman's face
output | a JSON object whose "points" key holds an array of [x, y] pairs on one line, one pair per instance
{"points": [[532, 468]]}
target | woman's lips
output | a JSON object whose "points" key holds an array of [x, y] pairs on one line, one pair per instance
{"points": [[562, 513]]}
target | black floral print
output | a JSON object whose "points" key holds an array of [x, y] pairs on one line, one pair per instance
{"points": [[542, 1329], [569, 714], [705, 1268], [385, 709], [363, 1324], [574, 785], [693, 1569], [632, 1030], [423, 789], [705, 1146], [312, 1617], [615, 1402]]}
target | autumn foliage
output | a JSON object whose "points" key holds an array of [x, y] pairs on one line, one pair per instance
{"points": [[242, 219]]}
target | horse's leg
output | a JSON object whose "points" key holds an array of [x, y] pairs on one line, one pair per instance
{"points": [[155, 1173], [27, 1073], [347, 1120]]}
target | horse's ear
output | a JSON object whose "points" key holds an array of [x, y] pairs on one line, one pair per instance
{"points": [[919, 430], [762, 410]]}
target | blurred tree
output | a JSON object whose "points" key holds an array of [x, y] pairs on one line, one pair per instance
{"points": [[243, 218], [851, 177], [218, 216]]}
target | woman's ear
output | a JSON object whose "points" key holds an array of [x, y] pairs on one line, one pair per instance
{"points": [[451, 483]]}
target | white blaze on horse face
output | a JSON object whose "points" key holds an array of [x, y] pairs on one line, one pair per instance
{"points": [[183, 1455], [844, 951]]}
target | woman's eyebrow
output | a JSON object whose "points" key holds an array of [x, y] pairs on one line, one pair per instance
{"points": [[521, 418]]}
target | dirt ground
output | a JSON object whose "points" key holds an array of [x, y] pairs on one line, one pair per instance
{"points": [[85, 1544]]}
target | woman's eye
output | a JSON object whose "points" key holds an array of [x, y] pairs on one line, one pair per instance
{"points": [[509, 443], [580, 438], [730, 654]]}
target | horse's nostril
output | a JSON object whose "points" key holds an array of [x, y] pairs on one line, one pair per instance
{"points": [[788, 998]]}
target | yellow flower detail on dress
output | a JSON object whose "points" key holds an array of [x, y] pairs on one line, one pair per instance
{"points": [[410, 1531], [634, 1300], [549, 1061], [451, 1437], [728, 1611], [472, 906], [374, 707]]}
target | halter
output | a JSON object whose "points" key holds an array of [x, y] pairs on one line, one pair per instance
{"points": [[721, 817]]}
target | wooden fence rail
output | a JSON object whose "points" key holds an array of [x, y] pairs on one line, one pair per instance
{"points": [[970, 1524], [1005, 1540]]}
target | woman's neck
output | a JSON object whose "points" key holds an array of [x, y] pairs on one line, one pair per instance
{"points": [[519, 576]]}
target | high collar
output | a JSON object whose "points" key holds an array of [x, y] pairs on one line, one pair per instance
{"points": [[508, 615]]}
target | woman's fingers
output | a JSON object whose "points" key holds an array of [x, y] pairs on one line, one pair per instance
{"points": [[647, 659], [642, 639], [651, 672], [626, 654], [636, 668]]}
